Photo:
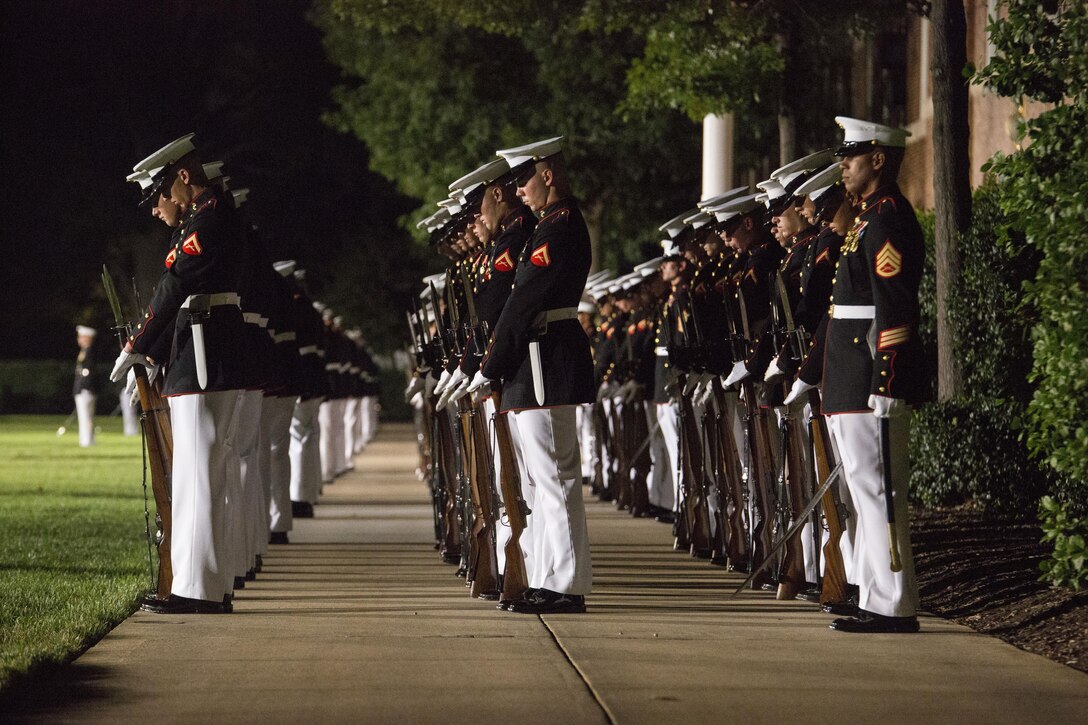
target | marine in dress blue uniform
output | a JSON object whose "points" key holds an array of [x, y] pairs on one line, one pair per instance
{"points": [[873, 371], [541, 353], [196, 303]]}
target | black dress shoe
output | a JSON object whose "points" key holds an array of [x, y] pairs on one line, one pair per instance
{"points": [[302, 509], [666, 517], [841, 609], [239, 582], [548, 602], [811, 593], [278, 537], [251, 575], [228, 603], [181, 605], [868, 622], [259, 565]]}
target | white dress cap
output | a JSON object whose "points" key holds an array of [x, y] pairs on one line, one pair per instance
{"points": [[698, 219], [670, 248], [285, 267], [587, 304], [486, 174], [674, 226], [722, 198], [649, 266], [535, 151], [817, 160], [240, 196], [168, 154], [819, 182], [84, 331], [859, 135], [737, 207], [213, 170], [772, 188]]}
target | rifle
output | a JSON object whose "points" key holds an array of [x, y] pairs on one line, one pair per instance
{"points": [[833, 588], [695, 504], [761, 467], [159, 451], [515, 578], [483, 569], [792, 571]]}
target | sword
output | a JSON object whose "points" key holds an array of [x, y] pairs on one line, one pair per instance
{"points": [[198, 312], [889, 494], [800, 521], [538, 371]]}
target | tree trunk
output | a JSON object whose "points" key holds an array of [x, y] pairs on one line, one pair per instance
{"points": [[951, 173], [787, 116]]}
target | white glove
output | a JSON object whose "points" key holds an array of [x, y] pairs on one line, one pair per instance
{"points": [[460, 391], [456, 379], [695, 381], [885, 407], [773, 371], [739, 372], [417, 400], [443, 380], [416, 385], [800, 387], [124, 361], [705, 393], [479, 384]]}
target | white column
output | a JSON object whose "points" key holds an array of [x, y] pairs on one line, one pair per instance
{"points": [[717, 154]]}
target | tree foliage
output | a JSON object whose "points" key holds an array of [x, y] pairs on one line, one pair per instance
{"points": [[1042, 55], [435, 88]]}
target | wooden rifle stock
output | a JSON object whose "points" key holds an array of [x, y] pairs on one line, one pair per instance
{"points": [[791, 578], [621, 480], [639, 458], [731, 468], [834, 587], [451, 528], [483, 567], [695, 505], [160, 456], [515, 578], [762, 471]]}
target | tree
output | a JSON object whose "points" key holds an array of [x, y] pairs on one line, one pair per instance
{"points": [[951, 173], [435, 88]]}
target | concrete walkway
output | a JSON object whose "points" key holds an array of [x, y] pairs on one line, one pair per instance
{"points": [[357, 620]]}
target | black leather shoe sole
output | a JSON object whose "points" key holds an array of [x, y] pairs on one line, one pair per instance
{"points": [[564, 605], [866, 623], [841, 609], [181, 605]]}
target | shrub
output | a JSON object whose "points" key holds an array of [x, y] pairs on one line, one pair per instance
{"points": [[1068, 563]]}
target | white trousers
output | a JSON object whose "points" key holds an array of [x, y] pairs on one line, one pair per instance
{"points": [[331, 418], [857, 437], [370, 418], [305, 451], [560, 541], [586, 440], [203, 459], [351, 430], [659, 483], [130, 424], [85, 415], [668, 414], [244, 518], [276, 423]]}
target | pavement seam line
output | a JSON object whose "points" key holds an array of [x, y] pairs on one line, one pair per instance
{"points": [[585, 680]]}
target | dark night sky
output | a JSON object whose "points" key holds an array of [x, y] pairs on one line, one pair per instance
{"points": [[91, 87]]}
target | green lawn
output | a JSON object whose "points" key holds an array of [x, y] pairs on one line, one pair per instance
{"points": [[73, 553]]}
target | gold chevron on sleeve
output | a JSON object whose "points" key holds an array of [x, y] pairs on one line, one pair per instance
{"points": [[889, 262]]}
